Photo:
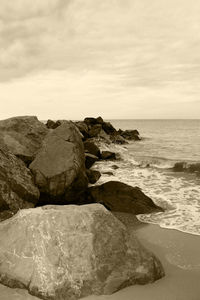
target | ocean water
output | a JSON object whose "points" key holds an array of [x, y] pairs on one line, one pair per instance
{"points": [[148, 165]]}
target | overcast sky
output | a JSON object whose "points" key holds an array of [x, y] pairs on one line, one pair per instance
{"points": [[114, 58]]}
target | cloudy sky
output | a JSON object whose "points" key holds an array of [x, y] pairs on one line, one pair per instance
{"points": [[115, 58]]}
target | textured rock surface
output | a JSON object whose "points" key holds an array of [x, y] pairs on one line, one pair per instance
{"points": [[93, 176], [59, 166], [69, 252], [131, 135], [108, 155], [92, 148], [17, 189], [22, 136], [90, 159], [118, 196]]}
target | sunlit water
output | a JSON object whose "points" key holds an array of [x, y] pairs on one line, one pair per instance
{"points": [[165, 142]]}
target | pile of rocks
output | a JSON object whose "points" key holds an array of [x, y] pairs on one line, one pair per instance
{"points": [[67, 251]]}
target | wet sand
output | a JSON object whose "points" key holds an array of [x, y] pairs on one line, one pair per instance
{"points": [[179, 253]]}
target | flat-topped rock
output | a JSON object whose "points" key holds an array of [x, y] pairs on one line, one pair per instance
{"points": [[69, 252]]}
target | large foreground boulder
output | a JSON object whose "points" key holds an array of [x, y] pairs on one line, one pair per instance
{"points": [[59, 166], [118, 196], [70, 252], [17, 189], [22, 136]]}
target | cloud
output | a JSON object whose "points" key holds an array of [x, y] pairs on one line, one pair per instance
{"points": [[127, 48]]}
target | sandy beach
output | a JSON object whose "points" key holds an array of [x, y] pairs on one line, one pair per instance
{"points": [[179, 254]]}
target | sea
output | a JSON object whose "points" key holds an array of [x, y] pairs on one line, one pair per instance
{"points": [[149, 164]]}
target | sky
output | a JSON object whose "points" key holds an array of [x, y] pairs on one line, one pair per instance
{"points": [[121, 59]]}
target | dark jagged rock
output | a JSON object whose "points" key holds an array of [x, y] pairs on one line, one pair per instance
{"points": [[17, 189], [95, 130], [131, 135], [118, 139], [179, 166], [52, 125], [83, 128], [108, 128], [22, 136], [105, 155], [118, 196], [59, 166], [70, 252], [186, 167], [90, 159], [93, 176], [91, 148]]}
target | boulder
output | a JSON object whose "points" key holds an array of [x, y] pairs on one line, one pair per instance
{"points": [[104, 136], [118, 139], [69, 252], [108, 128], [108, 155], [93, 176], [59, 166], [22, 136], [91, 148], [52, 124], [118, 196], [17, 189], [83, 128], [131, 135], [90, 121], [115, 167], [90, 159], [179, 167], [95, 130]]}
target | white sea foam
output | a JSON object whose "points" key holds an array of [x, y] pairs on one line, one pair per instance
{"points": [[178, 194]]}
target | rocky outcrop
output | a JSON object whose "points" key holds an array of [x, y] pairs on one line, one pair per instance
{"points": [[118, 196], [83, 128], [22, 136], [59, 166], [131, 135], [17, 189], [71, 252], [187, 167]]}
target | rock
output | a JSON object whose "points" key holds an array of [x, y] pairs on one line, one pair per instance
{"points": [[194, 168], [82, 126], [52, 125], [114, 167], [118, 196], [118, 139], [22, 136], [179, 167], [17, 189], [108, 173], [99, 120], [104, 136], [59, 166], [90, 159], [108, 128], [95, 130], [108, 155], [131, 135], [90, 121], [69, 252], [92, 148], [93, 176]]}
